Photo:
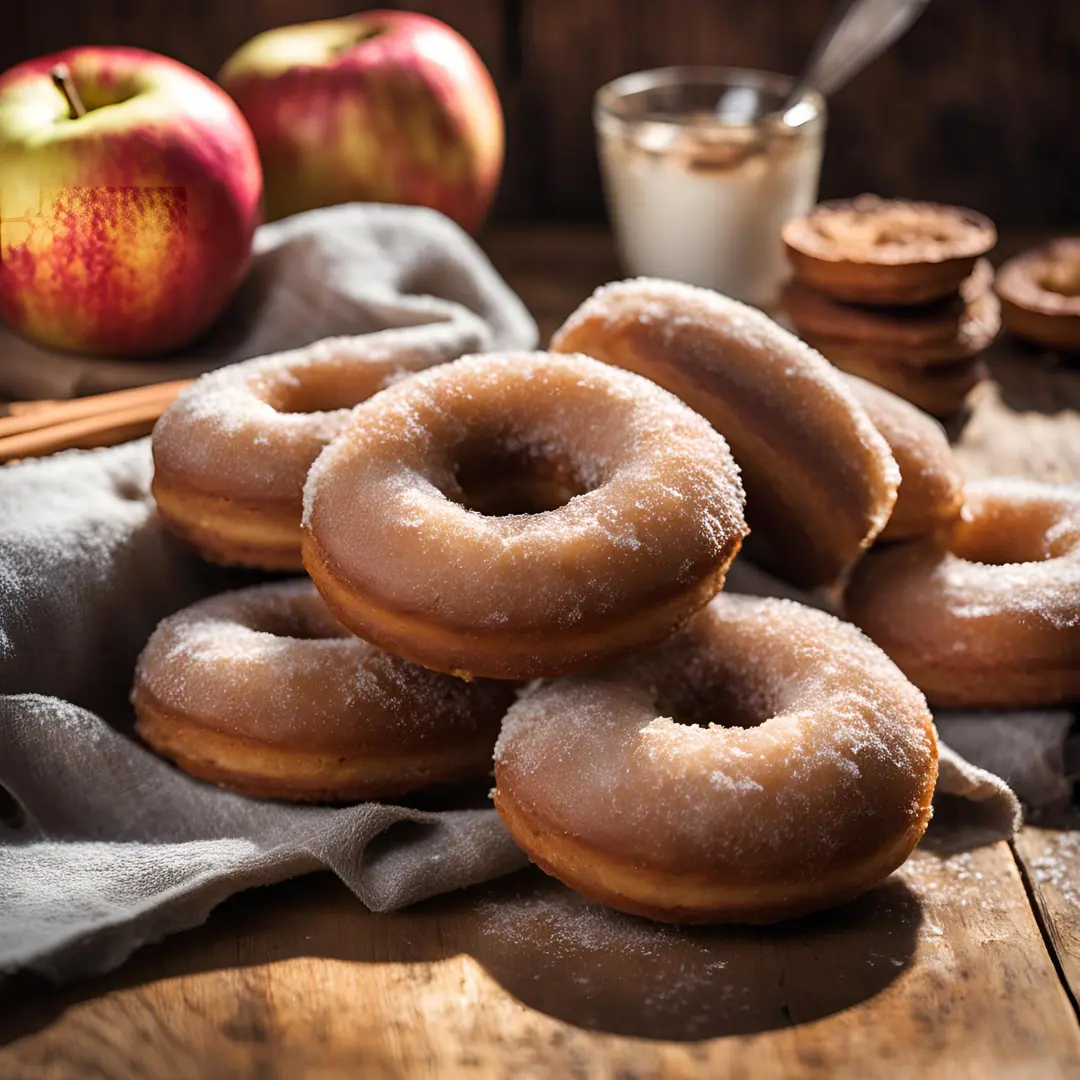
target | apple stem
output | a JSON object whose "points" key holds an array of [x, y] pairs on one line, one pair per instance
{"points": [[62, 80]]}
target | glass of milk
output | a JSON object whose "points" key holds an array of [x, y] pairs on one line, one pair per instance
{"points": [[701, 169]]}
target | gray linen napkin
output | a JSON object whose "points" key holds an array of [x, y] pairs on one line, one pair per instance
{"points": [[343, 270]]}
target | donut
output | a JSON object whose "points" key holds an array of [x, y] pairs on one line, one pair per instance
{"points": [[820, 482], [521, 514], [942, 390], [1040, 294], [231, 454], [261, 691], [931, 485], [870, 250], [766, 761], [956, 328], [985, 613]]}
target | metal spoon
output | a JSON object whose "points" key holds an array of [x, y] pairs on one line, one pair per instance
{"points": [[860, 31]]}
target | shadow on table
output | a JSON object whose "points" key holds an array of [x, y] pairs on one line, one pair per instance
{"points": [[1031, 378], [604, 971], [553, 951]]}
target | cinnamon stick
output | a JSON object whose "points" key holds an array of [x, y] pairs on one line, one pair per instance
{"points": [[104, 428], [30, 416]]}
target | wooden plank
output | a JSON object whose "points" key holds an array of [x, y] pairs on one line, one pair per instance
{"points": [[1050, 858], [942, 969]]}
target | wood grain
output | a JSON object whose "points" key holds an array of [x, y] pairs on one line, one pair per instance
{"points": [[1050, 858], [522, 978], [975, 105]]}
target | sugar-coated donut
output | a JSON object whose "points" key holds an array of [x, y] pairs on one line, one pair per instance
{"points": [[521, 514], [870, 250], [231, 454], [820, 482], [931, 484], [261, 691], [941, 390], [1040, 294], [985, 613], [955, 328], [766, 761]]}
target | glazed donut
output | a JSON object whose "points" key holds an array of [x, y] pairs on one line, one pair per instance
{"points": [[820, 482], [521, 514], [985, 613], [870, 250], [941, 390], [231, 454], [766, 761], [1040, 294], [261, 691], [956, 328], [931, 485]]}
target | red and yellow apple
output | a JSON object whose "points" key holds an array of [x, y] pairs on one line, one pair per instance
{"points": [[385, 106], [130, 189]]}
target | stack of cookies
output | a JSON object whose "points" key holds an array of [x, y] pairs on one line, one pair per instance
{"points": [[897, 292]]}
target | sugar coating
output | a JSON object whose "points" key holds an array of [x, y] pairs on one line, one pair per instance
{"points": [[890, 231], [931, 486], [987, 613], [1027, 279], [1040, 589], [271, 664], [820, 481], [669, 981], [231, 432], [804, 374], [659, 513], [1056, 867], [839, 765]]}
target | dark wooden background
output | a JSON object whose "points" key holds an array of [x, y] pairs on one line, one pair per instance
{"points": [[977, 105]]}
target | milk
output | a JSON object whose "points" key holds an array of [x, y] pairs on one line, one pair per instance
{"points": [[700, 199]]}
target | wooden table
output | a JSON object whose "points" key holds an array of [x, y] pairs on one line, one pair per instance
{"points": [[965, 963]]}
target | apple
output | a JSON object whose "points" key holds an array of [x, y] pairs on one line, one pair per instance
{"points": [[130, 189], [385, 106]]}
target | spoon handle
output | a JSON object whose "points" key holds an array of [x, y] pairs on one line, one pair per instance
{"points": [[860, 31]]}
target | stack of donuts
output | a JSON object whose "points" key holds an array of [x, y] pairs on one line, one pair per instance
{"points": [[897, 292], [522, 554], [1040, 294]]}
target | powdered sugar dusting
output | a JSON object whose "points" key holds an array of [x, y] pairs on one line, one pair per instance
{"points": [[820, 479], [837, 760], [931, 487], [1058, 867], [233, 433], [270, 663], [658, 507], [936, 604]]}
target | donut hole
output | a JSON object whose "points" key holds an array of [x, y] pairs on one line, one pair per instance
{"points": [[1062, 278], [501, 482], [1003, 533], [714, 693], [322, 390], [304, 619], [910, 232]]}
